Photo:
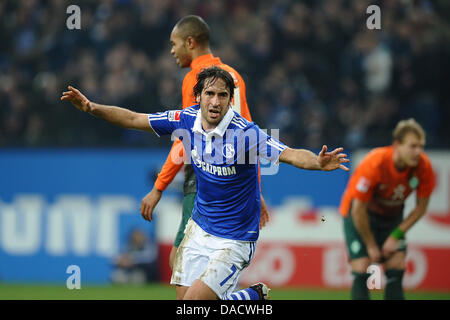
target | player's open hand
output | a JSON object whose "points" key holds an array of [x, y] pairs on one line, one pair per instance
{"points": [[77, 99], [332, 160], [149, 203]]}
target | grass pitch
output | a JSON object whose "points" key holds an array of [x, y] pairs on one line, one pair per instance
{"points": [[167, 292]]}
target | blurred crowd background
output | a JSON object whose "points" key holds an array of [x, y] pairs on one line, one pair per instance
{"points": [[312, 68]]}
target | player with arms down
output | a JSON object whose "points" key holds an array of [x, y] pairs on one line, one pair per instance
{"points": [[373, 202]]}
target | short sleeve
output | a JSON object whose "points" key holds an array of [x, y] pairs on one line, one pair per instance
{"points": [[268, 147], [366, 178], [427, 178], [165, 122]]}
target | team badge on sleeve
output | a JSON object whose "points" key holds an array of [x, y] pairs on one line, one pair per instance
{"points": [[363, 185], [174, 115]]}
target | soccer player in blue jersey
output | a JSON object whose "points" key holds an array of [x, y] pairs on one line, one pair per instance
{"points": [[220, 238]]}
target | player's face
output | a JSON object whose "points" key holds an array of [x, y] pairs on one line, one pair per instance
{"points": [[179, 49], [214, 102], [410, 149]]}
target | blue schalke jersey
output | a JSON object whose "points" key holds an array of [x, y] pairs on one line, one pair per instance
{"points": [[225, 160]]}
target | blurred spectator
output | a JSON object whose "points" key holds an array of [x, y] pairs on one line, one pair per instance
{"points": [[137, 264], [312, 68]]}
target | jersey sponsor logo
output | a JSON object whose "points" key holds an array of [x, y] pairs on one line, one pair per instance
{"points": [[228, 151], [174, 115], [215, 170], [399, 192], [363, 185]]}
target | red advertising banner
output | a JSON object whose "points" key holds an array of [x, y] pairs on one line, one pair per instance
{"points": [[287, 265], [303, 244]]}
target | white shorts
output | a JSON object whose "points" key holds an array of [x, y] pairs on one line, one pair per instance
{"points": [[217, 262]]}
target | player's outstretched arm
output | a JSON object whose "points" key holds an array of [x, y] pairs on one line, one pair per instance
{"points": [[306, 159], [119, 116]]}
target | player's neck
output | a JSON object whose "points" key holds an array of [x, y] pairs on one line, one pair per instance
{"points": [[198, 52], [399, 164], [207, 127]]}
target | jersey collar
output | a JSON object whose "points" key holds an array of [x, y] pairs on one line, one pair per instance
{"points": [[219, 130], [201, 61]]}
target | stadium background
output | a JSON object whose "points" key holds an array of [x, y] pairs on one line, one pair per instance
{"points": [[70, 185]]}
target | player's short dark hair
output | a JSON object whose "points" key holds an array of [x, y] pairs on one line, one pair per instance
{"points": [[213, 73], [195, 27], [406, 126]]}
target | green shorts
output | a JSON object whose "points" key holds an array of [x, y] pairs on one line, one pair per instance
{"points": [[188, 206], [381, 229]]}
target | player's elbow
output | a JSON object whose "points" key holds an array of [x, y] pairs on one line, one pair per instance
{"points": [[288, 156], [139, 121]]}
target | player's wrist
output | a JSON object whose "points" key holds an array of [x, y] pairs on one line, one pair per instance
{"points": [[317, 164], [159, 186], [398, 234], [371, 243], [90, 107]]}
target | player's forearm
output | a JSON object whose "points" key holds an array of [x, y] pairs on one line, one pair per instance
{"points": [[414, 216], [173, 164], [300, 158], [116, 115], [361, 221], [411, 220]]}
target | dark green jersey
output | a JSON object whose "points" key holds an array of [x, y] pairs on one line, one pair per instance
{"points": [[190, 182]]}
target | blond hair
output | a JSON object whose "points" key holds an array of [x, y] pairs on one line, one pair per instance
{"points": [[406, 126]]}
